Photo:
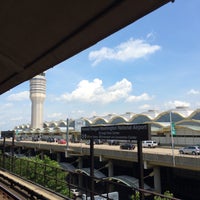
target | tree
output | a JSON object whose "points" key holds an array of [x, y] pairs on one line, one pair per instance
{"points": [[45, 172], [166, 193]]}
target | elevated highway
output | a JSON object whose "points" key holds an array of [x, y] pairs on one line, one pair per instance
{"points": [[159, 156], [171, 171]]}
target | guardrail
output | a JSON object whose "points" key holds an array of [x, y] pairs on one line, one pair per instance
{"points": [[61, 181]]}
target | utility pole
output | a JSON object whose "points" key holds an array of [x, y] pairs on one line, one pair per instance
{"points": [[172, 131]]}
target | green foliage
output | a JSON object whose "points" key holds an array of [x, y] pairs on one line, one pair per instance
{"points": [[167, 194], [136, 196], [45, 172]]}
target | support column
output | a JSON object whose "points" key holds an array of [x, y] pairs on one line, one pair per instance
{"points": [[42, 155], [58, 157], [157, 181], [110, 174], [80, 178], [110, 168]]}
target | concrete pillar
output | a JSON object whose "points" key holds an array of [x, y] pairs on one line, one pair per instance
{"points": [[110, 168], [157, 181], [110, 174], [58, 157], [80, 178], [42, 155]]}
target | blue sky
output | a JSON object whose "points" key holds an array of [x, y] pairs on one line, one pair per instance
{"points": [[151, 64]]}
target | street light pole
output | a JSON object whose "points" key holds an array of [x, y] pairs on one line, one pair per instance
{"points": [[67, 137], [172, 138], [141, 168]]}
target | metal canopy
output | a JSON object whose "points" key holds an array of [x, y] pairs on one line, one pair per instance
{"points": [[86, 171], [36, 35], [69, 167], [129, 181]]}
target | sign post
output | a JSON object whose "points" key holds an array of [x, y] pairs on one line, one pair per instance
{"points": [[8, 134], [137, 132]]}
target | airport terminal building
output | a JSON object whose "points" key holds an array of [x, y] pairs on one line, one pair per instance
{"points": [[186, 123]]}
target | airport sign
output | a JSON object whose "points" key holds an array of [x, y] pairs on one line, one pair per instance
{"points": [[117, 132]]}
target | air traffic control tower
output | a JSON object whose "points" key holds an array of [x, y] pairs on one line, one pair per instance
{"points": [[37, 96]]}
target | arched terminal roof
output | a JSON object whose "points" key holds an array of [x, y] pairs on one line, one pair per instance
{"points": [[195, 114], [139, 119], [161, 120]]}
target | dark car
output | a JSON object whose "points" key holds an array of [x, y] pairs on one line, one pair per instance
{"points": [[98, 141], [113, 142], [128, 146], [50, 139], [35, 138]]}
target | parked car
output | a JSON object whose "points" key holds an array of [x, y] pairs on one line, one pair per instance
{"points": [[87, 142], [20, 138], [50, 139], [113, 142], [35, 138], [98, 141], [194, 150], [62, 141], [149, 143], [128, 146], [75, 192]]}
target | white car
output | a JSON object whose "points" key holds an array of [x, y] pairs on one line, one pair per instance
{"points": [[75, 192], [149, 143]]}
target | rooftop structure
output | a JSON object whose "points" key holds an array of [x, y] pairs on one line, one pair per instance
{"points": [[182, 117]]}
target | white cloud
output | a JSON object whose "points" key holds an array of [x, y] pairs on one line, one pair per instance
{"points": [[19, 96], [144, 107], [95, 92], [142, 97], [6, 106], [176, 103], [55, 115], [130, 50], [150, 35], [193, 92], [17, 119]]}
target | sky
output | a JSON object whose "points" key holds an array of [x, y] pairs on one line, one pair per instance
{"points": [[152, 64]]}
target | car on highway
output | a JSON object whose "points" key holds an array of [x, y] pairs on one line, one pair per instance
{"points": [[50, 139], [98, 141], [62, 141], [194, 150], [149, 143], [113, 142], [128, 146], [35, 138]]}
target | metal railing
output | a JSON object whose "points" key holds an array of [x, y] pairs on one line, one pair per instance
{"points": [[62, 181]]}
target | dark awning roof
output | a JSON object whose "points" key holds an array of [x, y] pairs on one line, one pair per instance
{"points": [[86, 171], [129, 181], [36, 35], [67, 166]]}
